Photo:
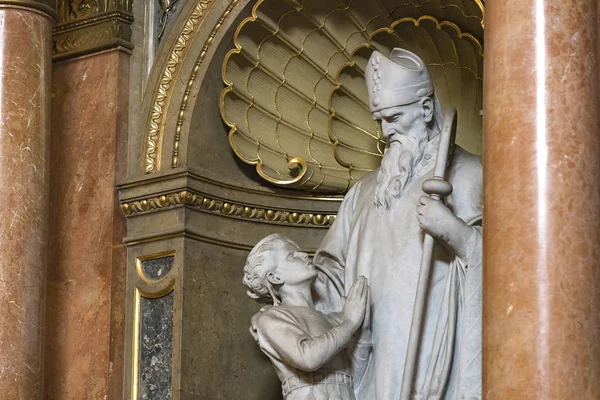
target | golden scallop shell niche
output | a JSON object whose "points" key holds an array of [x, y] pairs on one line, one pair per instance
{"points": [[296, 99]]}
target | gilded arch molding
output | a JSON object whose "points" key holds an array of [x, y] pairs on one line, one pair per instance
{"points": [[175, 79]]}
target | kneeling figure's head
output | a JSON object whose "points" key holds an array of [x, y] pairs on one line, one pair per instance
{"points": [[274, 262]]}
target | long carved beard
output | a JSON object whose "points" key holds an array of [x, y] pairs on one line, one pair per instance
{"points": [[398, 164]]}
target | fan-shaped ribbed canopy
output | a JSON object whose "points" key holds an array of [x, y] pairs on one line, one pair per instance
{"points": [[296, 99]]}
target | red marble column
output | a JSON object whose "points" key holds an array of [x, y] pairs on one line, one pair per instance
{"points": [[25, 54], [542, 201]]}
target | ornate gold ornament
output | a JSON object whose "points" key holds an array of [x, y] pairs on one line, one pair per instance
{"points": [[79, 10], [82, 8], [192, 79], [161, 97], [228, 209], [482, 7], [295, 97], [88, 26], [166, 7], [108, 30]]}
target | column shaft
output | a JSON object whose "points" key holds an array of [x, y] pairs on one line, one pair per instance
{"points": [[542, 201], [25, 53]]}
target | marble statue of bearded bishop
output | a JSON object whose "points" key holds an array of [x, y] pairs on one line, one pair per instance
{"points": [[378, 233]]}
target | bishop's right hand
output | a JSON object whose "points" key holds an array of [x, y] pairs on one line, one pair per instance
{"points": [[355, 304]]}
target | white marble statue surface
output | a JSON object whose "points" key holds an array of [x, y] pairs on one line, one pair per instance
{"points": [[378, 235], [316, 356]]}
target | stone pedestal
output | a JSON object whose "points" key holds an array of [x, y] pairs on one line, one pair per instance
{"points": [[542, 201], [25, 53]]}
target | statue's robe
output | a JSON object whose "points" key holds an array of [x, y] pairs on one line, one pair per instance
{"points": [[295, 339], [386, 246]]}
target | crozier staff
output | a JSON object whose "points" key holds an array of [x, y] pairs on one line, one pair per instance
{"points": [[378, 233]]}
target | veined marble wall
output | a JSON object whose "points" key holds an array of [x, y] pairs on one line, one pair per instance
{"points": [[24, 183], [86, 267]]}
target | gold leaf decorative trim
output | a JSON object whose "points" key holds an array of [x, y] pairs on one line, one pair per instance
{"points": [[92, 34], [139, 267], [227, 208], [482, 7], [163, 93], [180, 117], [439, 25], [296, 164]]}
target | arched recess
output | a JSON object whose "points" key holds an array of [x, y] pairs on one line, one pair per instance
{"points": [[195, 209]]}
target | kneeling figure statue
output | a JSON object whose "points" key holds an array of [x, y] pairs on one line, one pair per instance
{"points": [[316, 356]]}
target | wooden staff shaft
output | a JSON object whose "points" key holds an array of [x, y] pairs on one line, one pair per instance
{"points": [[437, 188]]}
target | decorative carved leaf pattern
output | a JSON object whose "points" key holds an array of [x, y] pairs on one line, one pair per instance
{"points": [[165, 86]]}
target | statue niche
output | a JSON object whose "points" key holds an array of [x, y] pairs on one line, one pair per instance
{"points": [[272, 147], [319, 101]]}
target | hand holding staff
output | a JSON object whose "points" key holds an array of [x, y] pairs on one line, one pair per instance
{"points": [[437, 188]]}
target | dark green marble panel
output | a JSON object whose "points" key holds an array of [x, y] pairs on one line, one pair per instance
{"points": [[156, 348], [157, 269]]}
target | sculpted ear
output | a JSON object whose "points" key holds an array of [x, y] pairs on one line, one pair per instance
{"points": [[427, 105], [274, 279]]}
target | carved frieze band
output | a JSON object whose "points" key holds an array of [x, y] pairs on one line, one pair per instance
{"points": [[87, 26], [94, 34], [226, 208]]}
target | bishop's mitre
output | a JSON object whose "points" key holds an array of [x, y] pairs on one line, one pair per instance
{"points": [[398, 80]]}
